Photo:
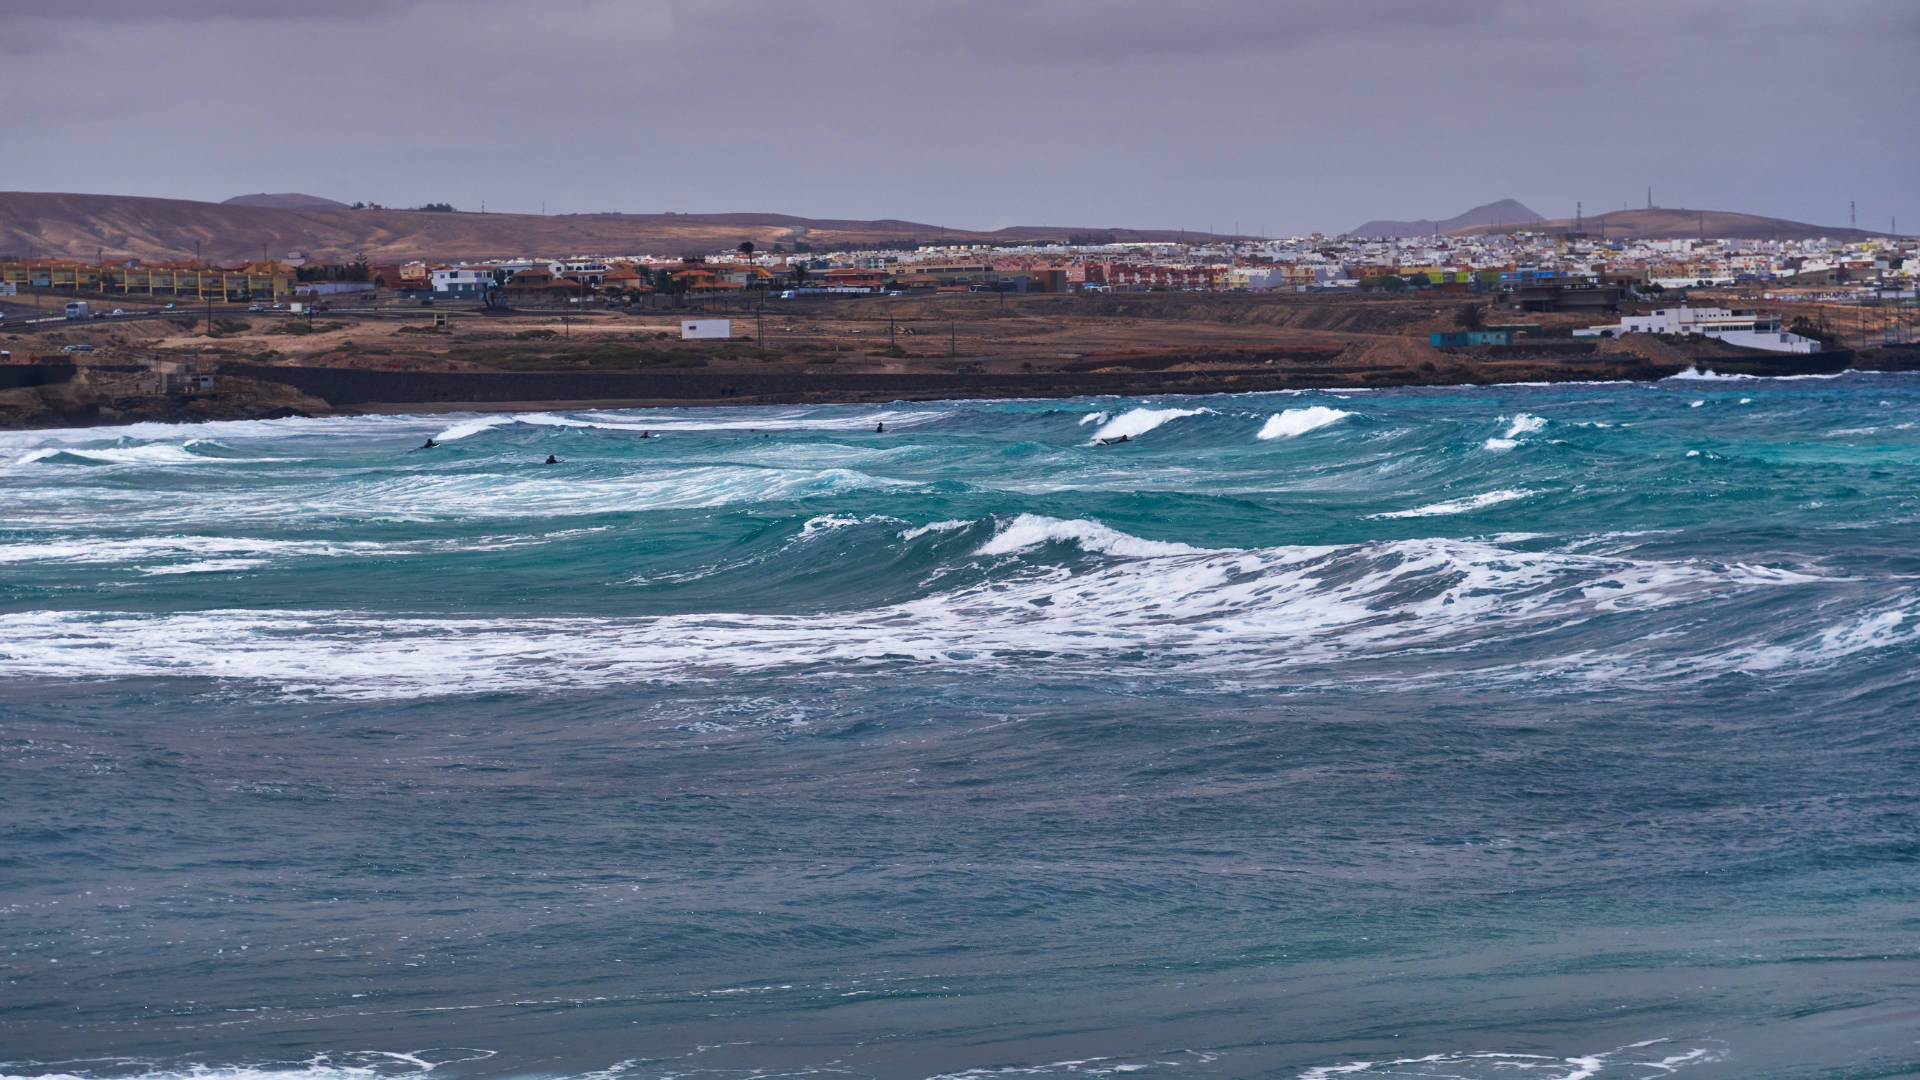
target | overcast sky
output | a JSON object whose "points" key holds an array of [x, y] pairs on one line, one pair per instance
{"points": [[1269, 115]]}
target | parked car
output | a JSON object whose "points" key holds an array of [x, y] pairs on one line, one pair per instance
{"points": [[171, 306], [117, 312], [255, 308], [76, 348]]}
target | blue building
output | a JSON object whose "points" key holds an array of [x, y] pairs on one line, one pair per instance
{"points": [[1459, 339]]}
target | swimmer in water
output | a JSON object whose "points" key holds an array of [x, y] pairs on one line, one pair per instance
{"points": [[551, 460], [428, 445], [880, 428]]}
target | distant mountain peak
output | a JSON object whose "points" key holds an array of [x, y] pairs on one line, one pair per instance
{"points": [[286, 200], [1504, 212]]}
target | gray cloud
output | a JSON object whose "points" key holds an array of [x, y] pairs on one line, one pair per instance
{"points": [[1291, 116]]}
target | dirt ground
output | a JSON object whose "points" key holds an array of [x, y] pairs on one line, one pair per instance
{"points": [[1218, 339], [980, 332]]}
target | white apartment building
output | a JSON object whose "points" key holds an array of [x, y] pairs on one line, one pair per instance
{"points": [[461, 281], [1745, 328]]}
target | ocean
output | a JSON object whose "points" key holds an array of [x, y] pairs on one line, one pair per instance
{"points": [[1548, 732]]}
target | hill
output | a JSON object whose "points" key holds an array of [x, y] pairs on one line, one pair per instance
{"points": [[1506, 212], [289, 200], [125, 226], [1671, 224]]}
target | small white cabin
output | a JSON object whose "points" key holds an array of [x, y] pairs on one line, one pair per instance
{"points": [[705, 328]]}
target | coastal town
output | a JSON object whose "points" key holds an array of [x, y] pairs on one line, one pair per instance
{"points": [[1449, 264], [1076, 313]]}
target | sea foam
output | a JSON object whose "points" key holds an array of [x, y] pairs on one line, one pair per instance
{"points": [[1136, 422], [1293, 422]]}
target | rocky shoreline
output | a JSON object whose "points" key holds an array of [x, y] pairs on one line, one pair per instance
{"points": [[61, 395]]}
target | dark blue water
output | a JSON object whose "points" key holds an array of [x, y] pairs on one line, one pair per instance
{"points": [[1544, 732]]}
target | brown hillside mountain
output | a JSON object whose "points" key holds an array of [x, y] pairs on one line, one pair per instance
{"points": [[286, 200], [125, 226], [1663, 224], [1508, 213]]}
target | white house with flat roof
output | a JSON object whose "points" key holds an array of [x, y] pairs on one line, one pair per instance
{"points": [[1750, 329], [463, 281]]}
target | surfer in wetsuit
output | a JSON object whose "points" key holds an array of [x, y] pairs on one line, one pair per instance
{"points": [[428, 445], [880, 428], [551, 460], [1112, 442]]}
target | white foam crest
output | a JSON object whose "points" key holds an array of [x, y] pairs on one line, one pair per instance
{"points": [[830, 522], [1696, 403], [1463, 505], [1524, 424], [148, 454], [758, 420], [1692, 373], [1635, 1061], [1091, 1067], [32, 456], [240, 551], [1233, 613], [1095, 418], [429, 494], [90, 550], [436, 496], [1521, 424], [933, 527], [353, 1065], [475, 426], [1295, 422], [1033, 530], [1874, 631], [223, 430], [1136, 422]]}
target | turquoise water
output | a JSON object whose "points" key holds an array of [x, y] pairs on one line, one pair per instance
{"points": [[1553, 732]]}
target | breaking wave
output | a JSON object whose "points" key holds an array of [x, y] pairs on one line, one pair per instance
{"points": [[1136, 422], [1293, 422], [1196, 609]]}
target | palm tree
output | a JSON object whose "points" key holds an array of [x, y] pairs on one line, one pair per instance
{"points": [[746, 248]]}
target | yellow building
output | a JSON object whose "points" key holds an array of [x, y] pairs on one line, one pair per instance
{"points": [[258, 281]]}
